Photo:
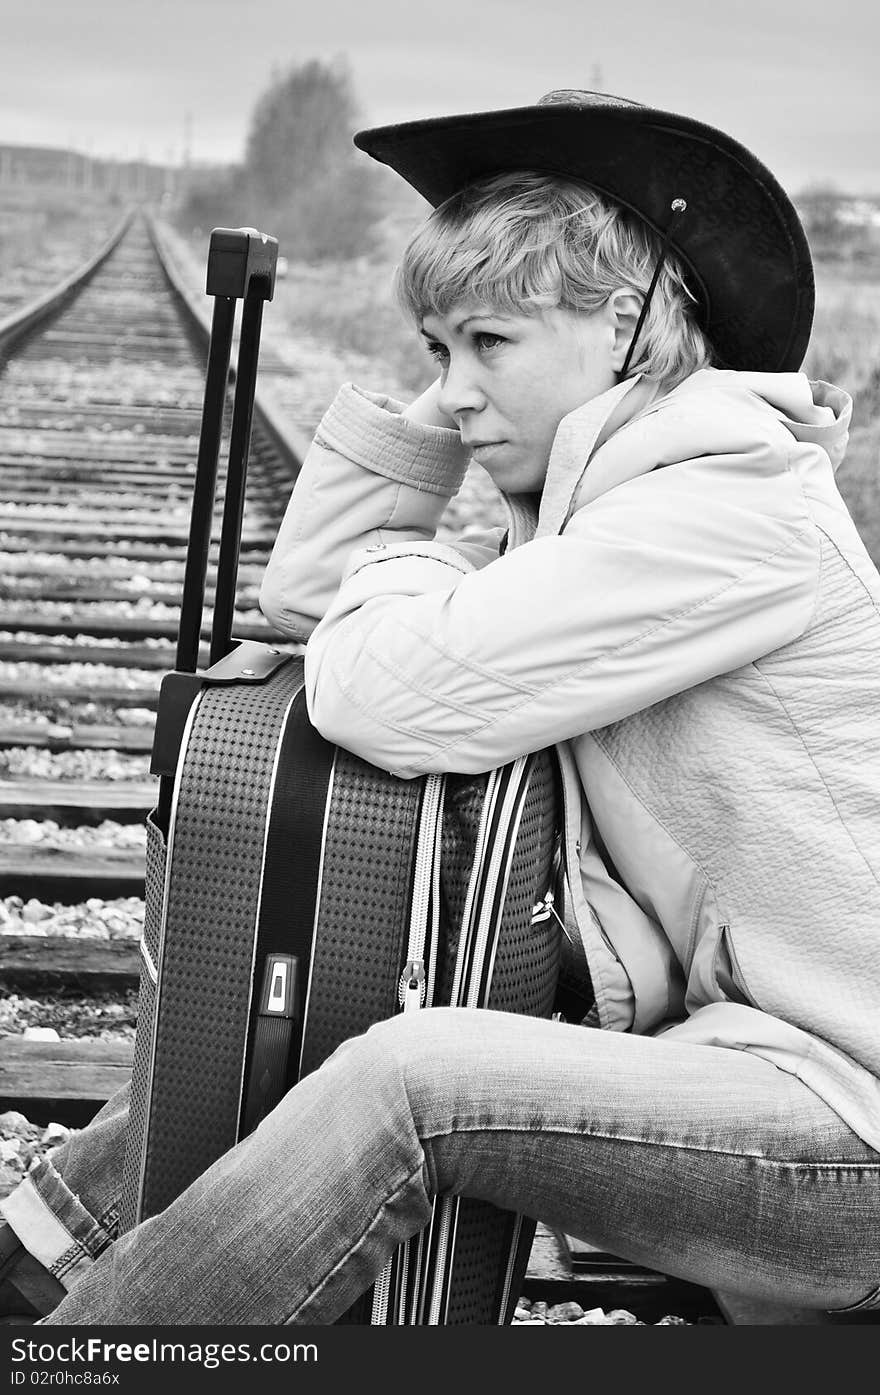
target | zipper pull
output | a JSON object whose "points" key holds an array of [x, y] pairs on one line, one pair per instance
{"points": [[412, 987], [545, 909], [542, 909]]}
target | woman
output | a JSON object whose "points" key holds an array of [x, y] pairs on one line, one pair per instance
{"points": [[619, 300]]}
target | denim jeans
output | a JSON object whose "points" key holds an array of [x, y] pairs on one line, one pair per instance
{"points": [[702, 1162]]}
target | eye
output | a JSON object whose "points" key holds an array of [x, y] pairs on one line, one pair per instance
{"points": [[437, 351], [486, 341]]}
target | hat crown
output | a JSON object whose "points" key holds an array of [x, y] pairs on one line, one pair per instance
{"points": [[575, 97]]}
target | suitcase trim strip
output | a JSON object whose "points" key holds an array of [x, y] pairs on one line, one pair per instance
{"points": [[287, 923], [320, 884], [482, 957], [245, 1055], [498, 880], [157, 1001], [149, 967], [473, 883]]}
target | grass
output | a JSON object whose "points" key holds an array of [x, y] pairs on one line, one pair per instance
{"points": [[351, 306], [845, 345], [845, 349], [45, 234]]}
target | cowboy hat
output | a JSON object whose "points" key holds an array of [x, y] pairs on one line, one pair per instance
{"points": [[740, 240]]}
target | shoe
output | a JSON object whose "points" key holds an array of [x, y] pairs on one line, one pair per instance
{"points": [[27, 1290]]}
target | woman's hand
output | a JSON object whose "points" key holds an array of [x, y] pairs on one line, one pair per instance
{"points": [[425, 409]]}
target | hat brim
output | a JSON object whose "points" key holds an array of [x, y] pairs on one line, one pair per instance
{"points": [[741, 240]]}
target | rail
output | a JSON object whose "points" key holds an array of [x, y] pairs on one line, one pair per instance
{"points": [[31, 315]]}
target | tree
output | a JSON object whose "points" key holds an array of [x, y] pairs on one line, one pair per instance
{"points": [[307, 183], [819, 206], [300, 130]]}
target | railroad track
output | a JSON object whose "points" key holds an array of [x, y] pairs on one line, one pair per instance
{"points": [[101, 386]]}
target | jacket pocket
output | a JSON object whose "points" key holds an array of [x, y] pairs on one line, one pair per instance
{"points": [[728, 976]]}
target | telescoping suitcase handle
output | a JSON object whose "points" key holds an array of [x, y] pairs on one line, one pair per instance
{"points": [[241, 266]]}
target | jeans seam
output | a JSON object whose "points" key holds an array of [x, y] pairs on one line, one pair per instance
{"points": [[50, 1187], [543, 1128], [401, 1186], [108, 1220], [69, 1259]]}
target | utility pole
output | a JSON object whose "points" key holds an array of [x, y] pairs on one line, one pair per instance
{"points": [[168, 180], [187, 139]]}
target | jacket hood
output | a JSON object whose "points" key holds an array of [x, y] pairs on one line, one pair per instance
{"points": [[636, 427], [811, 410]]}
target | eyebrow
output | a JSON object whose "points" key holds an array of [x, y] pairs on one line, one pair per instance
{"points": [[481, 315]]}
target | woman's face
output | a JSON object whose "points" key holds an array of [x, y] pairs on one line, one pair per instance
{"points": [[508, 380]]}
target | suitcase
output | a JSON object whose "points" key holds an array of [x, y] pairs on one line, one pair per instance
{"points": [[296, 894]]}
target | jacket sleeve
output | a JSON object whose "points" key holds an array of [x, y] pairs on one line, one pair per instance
{"points": [[423, 664], [371, 476]]}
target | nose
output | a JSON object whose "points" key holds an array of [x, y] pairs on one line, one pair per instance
{"points": [[461, 390]]}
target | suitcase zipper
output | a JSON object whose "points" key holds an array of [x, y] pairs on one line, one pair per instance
{"points": [[412, 987], [447, 1216], [381, 1293], [509, 820], [416, 988], [482, 896], [508, 1273], [490, 797], [480, 904]]}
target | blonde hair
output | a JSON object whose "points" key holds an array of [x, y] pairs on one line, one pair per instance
{"points": [[526, 241]]}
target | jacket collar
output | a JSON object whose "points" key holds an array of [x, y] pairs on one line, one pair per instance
{"points": [[578, 437]]}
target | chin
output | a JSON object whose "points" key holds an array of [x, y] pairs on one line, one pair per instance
{"points": [[511, 478]]}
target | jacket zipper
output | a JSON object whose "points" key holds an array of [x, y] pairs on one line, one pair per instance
{"points": [[736, 972], [546, 907]]}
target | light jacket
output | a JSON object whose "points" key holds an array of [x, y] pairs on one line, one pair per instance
{"points": [[691, 618]]}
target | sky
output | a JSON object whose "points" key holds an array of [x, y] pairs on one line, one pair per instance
{"points": [[794, 80]]}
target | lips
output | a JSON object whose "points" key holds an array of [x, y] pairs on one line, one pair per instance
{"points": [[481, 445]]}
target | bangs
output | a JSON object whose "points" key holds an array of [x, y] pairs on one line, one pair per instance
{"points": [[475, 250]]}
